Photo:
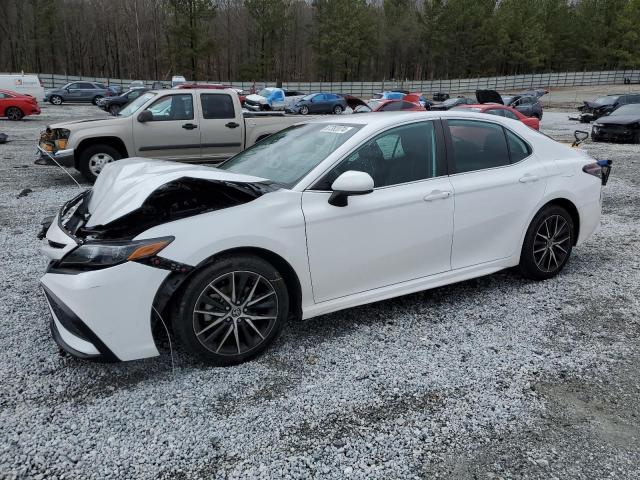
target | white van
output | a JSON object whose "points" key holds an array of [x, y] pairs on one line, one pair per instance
{"points": [[23, 83], [177, 80]]}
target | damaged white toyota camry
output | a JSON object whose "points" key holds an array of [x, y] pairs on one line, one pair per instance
{"points": [[322, 216]]}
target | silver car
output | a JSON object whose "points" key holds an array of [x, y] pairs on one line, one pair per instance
{"points": [[77, 92]]}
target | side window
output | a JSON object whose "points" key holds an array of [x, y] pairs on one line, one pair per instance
{"points": [[496, 111], [400, 155], [172, 107], [3, 95], [75, 86], [510, 114], [86, 86], [407, 106], [518, 148], [217, 106], [477, 145]]}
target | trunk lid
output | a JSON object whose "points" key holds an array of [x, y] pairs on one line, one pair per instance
{"points": [[488, 96]]}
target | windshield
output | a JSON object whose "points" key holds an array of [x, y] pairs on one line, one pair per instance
{"points": [[287, 156], [265, 92], [608, 100], [452, 101], [633, 109], [308, 97], [507, 99], [134, 106]]}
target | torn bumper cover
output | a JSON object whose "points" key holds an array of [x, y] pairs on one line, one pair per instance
{"points": [[52, 148], [63, 157]]}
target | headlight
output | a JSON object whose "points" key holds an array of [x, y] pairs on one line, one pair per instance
{"points": [[61, 144], [108, 254]]}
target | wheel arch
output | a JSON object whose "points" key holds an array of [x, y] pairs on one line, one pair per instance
{"points": [[174, 284], [570, 207], [114, 142]]}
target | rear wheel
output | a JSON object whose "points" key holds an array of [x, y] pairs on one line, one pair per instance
{"points": [[337, 110], [231, 310], [548, 243], [94, 158], [14, 113], [56, 100], [95, 99]]}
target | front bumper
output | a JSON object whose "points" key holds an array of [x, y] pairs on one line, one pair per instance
{"points": [[65, 157], [613, 134], [110, 309]]}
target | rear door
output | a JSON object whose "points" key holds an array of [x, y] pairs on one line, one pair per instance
{"points": [[173, 133], [74, 92], [497, 182], [319, 104], [222, 128]]}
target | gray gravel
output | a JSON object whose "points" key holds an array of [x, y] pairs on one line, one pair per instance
{"points": [[496, 377]]}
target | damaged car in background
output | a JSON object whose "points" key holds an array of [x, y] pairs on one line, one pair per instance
{"points": [[306, 223], [622, 125], [605, 105]]}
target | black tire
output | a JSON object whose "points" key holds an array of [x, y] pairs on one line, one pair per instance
{"points": [[87, 158], [96, 98], [55, 100], [114, 109], [551, 230], [230, 318], [337, 110], [14, 113]]}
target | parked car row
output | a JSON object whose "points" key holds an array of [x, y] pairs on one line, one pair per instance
{"points": [[16, 106]]}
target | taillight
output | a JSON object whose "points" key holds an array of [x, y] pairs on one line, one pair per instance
{"points": [[600, 169]]}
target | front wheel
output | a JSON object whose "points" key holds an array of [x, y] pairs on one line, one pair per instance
{"points": [[231, 310], [337, 110], [547, 244], [56, 100], [304, 110], [14, 113], [93, 159]]}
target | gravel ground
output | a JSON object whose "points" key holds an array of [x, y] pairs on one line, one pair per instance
{"points": [[496, 377]]}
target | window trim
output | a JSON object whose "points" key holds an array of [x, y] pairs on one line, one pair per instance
{"points": [[449, 146], [193, 107], [441, 156]]}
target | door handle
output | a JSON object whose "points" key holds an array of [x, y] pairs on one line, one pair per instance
{"points": [[232, 125], [529, 177], [189, 126], [436, 195]]}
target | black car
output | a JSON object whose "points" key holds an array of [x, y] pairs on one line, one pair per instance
{"points": [[452, 102], [602, 106], [440, 96], [622, 125], [113, 105]]}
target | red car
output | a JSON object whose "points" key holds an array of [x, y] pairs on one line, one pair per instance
{"points": [[501, 111], [14, 105], [395, 105]]}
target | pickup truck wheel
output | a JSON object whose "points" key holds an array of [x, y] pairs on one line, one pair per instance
{"points": [[56, 100], [337, 110], [95, 99], [304, 110], [93, 160]]}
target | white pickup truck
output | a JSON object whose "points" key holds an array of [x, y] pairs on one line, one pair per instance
{"points": [[199, 125]]}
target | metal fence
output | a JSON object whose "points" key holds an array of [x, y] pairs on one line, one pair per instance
{"points": [[451, 86]]}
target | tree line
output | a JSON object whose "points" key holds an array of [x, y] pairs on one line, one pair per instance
{"points": [[317, 40]]}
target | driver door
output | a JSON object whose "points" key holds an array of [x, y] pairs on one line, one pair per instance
{"points": [[173, 133], [401, 231]]}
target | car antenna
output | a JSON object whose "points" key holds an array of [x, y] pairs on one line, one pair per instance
{"points": [[56, 162]]}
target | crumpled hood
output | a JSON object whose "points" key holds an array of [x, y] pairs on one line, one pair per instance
{"points": [[257, 98], [123, 186], [92, 122]]}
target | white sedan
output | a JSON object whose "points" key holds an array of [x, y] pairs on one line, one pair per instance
{"points": [[324, 215]]}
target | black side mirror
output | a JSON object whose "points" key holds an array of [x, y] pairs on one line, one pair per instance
{"points": [[145, 116]]}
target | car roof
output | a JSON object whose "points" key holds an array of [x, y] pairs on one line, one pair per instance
{"points": [[389, 119]]}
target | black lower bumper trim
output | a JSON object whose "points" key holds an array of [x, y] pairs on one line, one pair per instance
{"points": [[77, 327]]}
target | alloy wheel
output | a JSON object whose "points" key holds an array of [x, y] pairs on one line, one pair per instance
{"points": [[235, 313], [56, 100], [14, 113], [98, 161], [552, 243]]}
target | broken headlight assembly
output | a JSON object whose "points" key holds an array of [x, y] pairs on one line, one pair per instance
{"points": [[96, 255], [54, 139]]}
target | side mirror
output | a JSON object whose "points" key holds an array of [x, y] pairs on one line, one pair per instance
{"points": [[350, 183], [145, 116]]}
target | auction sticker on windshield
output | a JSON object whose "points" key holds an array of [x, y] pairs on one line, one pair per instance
{"points": [[336, 129]]}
